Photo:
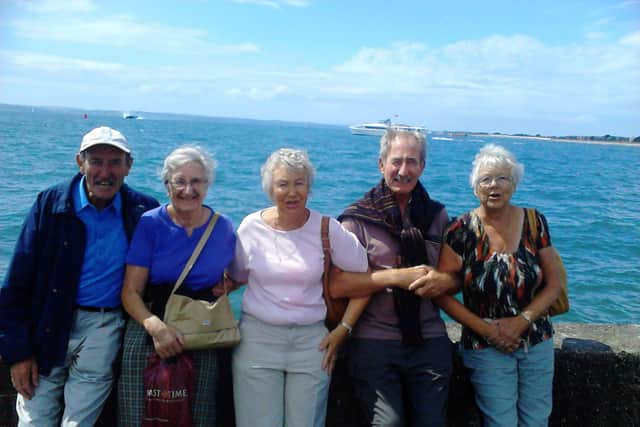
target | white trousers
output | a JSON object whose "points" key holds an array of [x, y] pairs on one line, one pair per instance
{"points": [[278, 378], [82, 385]]}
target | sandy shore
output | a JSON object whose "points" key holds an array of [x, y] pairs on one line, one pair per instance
{"points": [[545, 138]]}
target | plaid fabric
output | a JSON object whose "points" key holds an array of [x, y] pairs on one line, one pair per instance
{"points": [[131, 398]]}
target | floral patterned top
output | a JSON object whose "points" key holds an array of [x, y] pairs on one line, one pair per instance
{"points": [[495, 284]]}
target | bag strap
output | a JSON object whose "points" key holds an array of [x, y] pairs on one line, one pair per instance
{"points": [[196, 252], [533, 224], [326, 250]]}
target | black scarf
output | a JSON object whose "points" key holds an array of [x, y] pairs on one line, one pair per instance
{"points": [[379, 207]]}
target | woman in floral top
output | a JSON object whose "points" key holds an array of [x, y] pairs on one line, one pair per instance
{"points": [[506, 339]]}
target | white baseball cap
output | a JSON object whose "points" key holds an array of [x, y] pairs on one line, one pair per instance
{"points": [[105, 135]]}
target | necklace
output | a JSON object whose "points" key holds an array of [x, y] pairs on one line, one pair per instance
{"points": [[293, 225]]}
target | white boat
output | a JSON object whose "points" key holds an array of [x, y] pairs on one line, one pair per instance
{"points": [[129, 115], [379, 128]]}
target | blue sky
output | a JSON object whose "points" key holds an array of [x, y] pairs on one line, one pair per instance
{"points": [[550, 67]]}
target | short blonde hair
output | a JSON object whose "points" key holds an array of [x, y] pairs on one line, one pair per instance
{"points": [[293, 160]]}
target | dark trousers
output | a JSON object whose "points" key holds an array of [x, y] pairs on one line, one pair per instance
{"points": [[398, 385]]}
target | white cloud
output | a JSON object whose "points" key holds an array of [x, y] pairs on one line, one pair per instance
{"points": [[630, 3], [586, 118], [124, 31], [255, 93], [298, 3], [369, 60], [494, 78], [495, 51], [594, 35], [632, 40], [604, 22], [512, 63], [58, 6], [56, 64], [238, 48], [269, 3], [276, 4]]}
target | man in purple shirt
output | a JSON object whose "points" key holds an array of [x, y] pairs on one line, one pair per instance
{"points": [[399, 358], [60, 318]]}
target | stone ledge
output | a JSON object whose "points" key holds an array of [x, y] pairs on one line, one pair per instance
{"points": [[596, 383], [620, 338]]}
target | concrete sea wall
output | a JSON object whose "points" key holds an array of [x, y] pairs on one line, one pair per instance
{"points": [[596, 383]]}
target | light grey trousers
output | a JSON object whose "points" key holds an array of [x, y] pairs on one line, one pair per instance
{"points": [[278, 378], [85, 380]]}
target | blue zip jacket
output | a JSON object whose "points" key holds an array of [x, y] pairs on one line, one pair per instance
{"points": [[37, 298]]}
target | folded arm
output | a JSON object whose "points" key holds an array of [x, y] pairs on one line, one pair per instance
{"points": [[436, 283], [355, 285], [554, 277], [450, 262]]}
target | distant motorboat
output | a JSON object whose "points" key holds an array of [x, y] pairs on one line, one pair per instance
{"points": [[442, 138], [129, 115], [380, 127]]}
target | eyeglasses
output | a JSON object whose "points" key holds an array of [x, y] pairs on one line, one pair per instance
{"points": [[501, 181], [182, 184]]}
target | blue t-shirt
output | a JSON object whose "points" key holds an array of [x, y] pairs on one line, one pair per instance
{"points": [[103, 264], [163, 247]]}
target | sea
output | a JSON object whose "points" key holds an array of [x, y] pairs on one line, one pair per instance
{"points": [[590, 193]]}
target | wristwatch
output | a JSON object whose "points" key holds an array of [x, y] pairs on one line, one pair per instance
{"points": [[527, 315], [347, 326]]}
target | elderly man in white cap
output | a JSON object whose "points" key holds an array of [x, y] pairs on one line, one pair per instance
{"points": [[60, 318]]}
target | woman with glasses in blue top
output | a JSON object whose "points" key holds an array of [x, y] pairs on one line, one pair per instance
{"points": [[163, 242]]}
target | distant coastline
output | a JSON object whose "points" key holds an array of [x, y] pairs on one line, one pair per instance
{"points": [[559, 139], [85, 113], [606, 139]]}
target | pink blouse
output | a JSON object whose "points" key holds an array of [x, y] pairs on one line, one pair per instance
{"points": [[283, 269]]}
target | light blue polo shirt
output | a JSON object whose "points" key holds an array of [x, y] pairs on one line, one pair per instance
{"points": [[105, 253]]}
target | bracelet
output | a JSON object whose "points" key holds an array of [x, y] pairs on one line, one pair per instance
{"points": [[347, 326], [526, 315]]}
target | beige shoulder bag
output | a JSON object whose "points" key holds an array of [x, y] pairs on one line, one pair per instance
{"points": [[203, 324], [561, 305]]}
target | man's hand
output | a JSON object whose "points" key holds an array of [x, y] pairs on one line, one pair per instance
{"points": [[404, 277], [433, 284], [24, 377]]}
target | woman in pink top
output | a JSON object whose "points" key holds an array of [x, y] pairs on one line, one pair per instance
{"points": [[281, 368]]}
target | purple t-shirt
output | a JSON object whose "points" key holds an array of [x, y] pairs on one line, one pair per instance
{"points": [[379, 320], [163, 247]]}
